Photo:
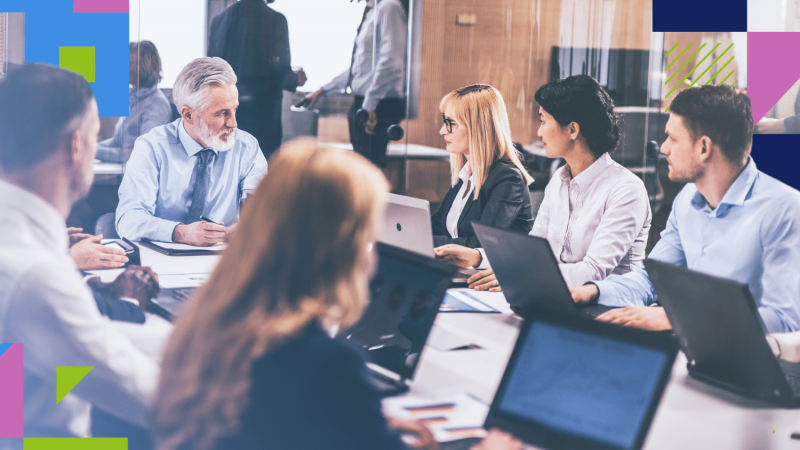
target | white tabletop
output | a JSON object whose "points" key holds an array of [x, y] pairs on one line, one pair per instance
{"points": [[106, 168], [692, 414]]}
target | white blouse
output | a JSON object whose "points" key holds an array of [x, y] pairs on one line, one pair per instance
{"points": [[462, 197], [596, 223]]}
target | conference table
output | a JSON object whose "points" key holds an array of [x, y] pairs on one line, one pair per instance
{"points": [[692, 414]]}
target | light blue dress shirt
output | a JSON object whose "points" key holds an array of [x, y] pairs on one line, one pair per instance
{"points": [[149, 108], [156, 191], [753, 237]]}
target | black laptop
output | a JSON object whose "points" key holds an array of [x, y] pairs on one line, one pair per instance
{"points": [[720, 329], [573, 382], [405, 295], [528, 272]]}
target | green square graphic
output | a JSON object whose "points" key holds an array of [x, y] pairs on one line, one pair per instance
{"points": [[75, 444], [79, 60]]}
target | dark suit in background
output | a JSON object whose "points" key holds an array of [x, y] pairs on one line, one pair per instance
{"points": [[503, 202], [254, 40], [312, 393]]}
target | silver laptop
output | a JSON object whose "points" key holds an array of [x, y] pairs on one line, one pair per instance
{"points": [[407, 224]]}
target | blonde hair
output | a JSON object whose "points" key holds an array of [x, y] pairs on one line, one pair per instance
{"points": [[481, 109], [297, 257]]}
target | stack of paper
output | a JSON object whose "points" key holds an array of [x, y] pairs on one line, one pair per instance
{"points": [[451, 417]]}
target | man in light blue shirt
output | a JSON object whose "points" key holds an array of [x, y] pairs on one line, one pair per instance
{"points": [[198, 166], [731, 220]]}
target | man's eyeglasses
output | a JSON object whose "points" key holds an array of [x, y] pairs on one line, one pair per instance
{"points": [[448, 124]]}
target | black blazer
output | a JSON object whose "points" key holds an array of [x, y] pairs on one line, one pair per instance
{"points": [[312, 392], [504, 202]]}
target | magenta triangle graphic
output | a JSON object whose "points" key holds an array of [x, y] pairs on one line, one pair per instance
{"points": [[100, 6], [772, 68]]}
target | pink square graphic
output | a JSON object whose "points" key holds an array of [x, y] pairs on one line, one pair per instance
{"points": [[100, 6], [11, 393]]}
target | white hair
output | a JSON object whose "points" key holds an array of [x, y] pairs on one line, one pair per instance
{"points": [[191, 87]]}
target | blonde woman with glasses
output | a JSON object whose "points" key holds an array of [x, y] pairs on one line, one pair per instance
{"points": [[489, 183], [251, 364]]}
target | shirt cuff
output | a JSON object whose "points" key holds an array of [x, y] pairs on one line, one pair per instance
{"points": [[370, 103], [484, 260], [607, 294], [165, 230]]}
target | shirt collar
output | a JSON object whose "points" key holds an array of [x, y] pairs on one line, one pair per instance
{"points": [[466, 172], [736, 194], [591, 173], [191, 146], [39, 211]]}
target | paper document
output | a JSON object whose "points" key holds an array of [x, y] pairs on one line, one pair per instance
{"points": [[451, 417], [182, 280], [462, 300]]}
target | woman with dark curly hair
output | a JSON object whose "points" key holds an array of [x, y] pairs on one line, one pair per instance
{"points": [[595, 213]]}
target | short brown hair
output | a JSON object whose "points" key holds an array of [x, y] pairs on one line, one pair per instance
{"points": [[721, 113], [145, 54]]}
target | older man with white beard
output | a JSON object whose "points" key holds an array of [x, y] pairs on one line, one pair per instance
{"points": [[198, 166]]}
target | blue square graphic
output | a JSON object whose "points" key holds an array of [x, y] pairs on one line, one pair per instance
{"points": [[705, 15], [12, 6], [49, 5], [106, 32]]}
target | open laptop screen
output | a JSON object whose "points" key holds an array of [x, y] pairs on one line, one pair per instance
{"points": [[405, 295], [589, 387]]}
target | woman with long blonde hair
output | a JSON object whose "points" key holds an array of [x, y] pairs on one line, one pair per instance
{"points": [[489, 184], [250, 363]]}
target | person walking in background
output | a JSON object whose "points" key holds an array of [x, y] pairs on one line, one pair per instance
{"points": [[254, 39], [377, 77]]}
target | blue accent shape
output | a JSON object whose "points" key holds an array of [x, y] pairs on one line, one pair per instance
{"points": [[106, 32], [777, 155], [49, 5], [693, 15], [12, 6], [4, 347]]}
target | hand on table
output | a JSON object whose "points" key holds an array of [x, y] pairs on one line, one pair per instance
{"points": [[423, 435], [76, 235], [459, 255], [312, 98], [644, 317], [584, 294], [498, 440], [200, 233], [484, 281], [369, 125], [89, 254], [136, 282]]}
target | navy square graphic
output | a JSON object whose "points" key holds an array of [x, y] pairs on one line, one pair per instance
{"points": [[778, 155], [699, 15]]}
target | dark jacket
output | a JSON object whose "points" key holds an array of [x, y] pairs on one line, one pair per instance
{"points": [[254, 40], [312, 392], [503, 202]]}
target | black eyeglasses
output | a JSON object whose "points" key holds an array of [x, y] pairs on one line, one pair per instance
{"points": [[448, 123]]}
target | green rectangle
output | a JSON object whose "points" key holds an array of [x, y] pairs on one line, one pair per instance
{"points": [[80, 60], [75, 444]]}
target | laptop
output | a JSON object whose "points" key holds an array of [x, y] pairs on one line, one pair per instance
{"points": [[405, 295], [720, 330], [573, 382], [528, 272], [407, 224]]}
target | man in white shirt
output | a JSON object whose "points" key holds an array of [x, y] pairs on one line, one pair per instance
{"points": [[376, 76], [48, 141]]}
